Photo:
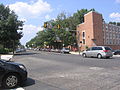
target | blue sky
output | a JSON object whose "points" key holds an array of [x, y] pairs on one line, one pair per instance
{"points": [[36, 12]]}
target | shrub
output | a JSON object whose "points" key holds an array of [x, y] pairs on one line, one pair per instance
{"points": [[4, 50], [86, 47]]}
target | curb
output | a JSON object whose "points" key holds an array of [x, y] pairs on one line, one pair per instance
{"points": [[116, 55], [6, 57], [75, 53]]}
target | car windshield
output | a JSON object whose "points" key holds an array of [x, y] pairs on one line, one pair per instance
{"points": [[107, 48], [67, 48]]}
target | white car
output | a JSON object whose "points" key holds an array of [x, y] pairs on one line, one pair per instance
{"points": [[65, 50], [18, 50]]}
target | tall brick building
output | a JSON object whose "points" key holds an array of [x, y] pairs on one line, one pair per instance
{"points": [[95, 32]]}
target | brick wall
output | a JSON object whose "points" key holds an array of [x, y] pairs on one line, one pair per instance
{"points": [[94, 32]]}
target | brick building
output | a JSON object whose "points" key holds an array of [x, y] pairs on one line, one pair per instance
{"points": [[95, 32]]}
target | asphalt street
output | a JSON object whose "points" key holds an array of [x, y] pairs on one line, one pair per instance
{"points": [[56, 71]]}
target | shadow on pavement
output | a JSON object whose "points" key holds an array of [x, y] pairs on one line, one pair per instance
{"points": [[27, 83]]}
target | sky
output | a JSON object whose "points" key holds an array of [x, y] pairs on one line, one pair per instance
{"points": [[36, 12]]}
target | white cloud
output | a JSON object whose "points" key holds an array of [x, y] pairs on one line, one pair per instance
{"points": [[29, 32], [28, 29], [114, 15], [29, 12], [35, 9], [47, 17], [118, 1]]}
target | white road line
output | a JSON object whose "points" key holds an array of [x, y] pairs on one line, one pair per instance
{"points": [[96, 68], [20, 88]]}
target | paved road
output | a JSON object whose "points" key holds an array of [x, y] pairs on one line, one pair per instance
{"points": [[54, 71]]}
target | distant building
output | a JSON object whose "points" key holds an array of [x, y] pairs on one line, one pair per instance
{"points": [[95, 32]]}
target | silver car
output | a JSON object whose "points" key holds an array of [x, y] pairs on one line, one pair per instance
{"points": [[98, 51], [65, 50]]}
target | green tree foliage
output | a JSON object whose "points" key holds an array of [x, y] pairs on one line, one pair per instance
{"points": [[118, 23], [65, 35], [115, 23], [9, 24]]}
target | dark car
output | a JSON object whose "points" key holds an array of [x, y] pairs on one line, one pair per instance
{"points": [[12, 74], [116, 52]]}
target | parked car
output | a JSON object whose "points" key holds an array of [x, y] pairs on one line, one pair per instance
{"points": [[18, 50], [116, 52], [12, 74], [23, 50], [98, 51], [65, 50], [57, 50]]}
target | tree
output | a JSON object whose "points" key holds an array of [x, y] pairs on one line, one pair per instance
{"points": [[9, 24], [65, 34], [115, 23], [118, 23]]}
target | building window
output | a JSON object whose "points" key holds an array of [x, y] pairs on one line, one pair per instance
{"points": [[119, 29], [110, 36], [83, 34], [106, 27], [103, 26], [118, 36], [114, 42], [107, 41], [114, 36], [107, 35], [115, 29], [83, 41], [109, 27], [117, 42], [110, 41]]}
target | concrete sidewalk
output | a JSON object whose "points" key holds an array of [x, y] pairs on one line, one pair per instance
{"points": [[76, 53], [116, 55]]}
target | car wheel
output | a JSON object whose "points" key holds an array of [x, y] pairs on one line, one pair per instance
{"points": [[99, 56], [10, 81], [84, 55]]}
